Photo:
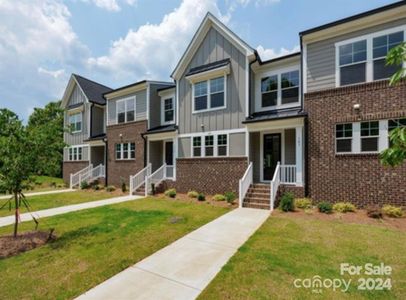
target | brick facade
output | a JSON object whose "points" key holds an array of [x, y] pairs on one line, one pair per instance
{"points": [[208, 175], [71, 167], [130, 133], [359, 178]]}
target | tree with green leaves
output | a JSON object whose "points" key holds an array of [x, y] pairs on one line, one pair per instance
{"points": [[17, 158], [396, 154]]}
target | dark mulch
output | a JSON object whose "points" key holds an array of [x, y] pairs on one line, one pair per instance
{"points": [[10, 246]]}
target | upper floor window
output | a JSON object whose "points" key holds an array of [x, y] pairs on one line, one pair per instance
{"points": [[290, 87], [75, 153], [75, 122], [381, 47], [168, 111], [353, 58], [209, 94], [125, 151], [269, 90], [126, 110]]}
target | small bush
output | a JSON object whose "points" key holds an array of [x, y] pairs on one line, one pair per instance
{"points": [[61, 185], [110, 188], [201, 197], [392, 211], [84, 185], [344, 207], [97, 187], [230, 197], [123, 185], [192, 194], [374, 212], [325, 207], [219, 197], [170, 193], [303, 203], [287, 202]]}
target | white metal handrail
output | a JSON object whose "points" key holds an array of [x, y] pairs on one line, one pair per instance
{"points": [[139, 179], [155, 178], [245, 183], [288, 173], [75, 179], [275, 182]]}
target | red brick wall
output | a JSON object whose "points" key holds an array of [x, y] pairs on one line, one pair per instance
{"points": [[71, 167], [209, 175], [130, 133], [360, 179]]}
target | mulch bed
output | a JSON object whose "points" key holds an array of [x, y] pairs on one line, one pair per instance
{"points": [[209, 200], [10, 246], [358, 217]]}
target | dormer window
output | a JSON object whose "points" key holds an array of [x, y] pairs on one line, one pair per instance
{"points": [[209, 94], [126, 110]]}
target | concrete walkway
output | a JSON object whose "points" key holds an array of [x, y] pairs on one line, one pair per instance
{"points": [[40, 193], [4, 221], [184, 268]]}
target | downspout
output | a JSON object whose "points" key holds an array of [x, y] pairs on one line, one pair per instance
{"points": [[106, 151], [145, 149], [306, 125]]}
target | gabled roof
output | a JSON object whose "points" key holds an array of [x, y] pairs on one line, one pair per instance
{"points": [[208, 22]]}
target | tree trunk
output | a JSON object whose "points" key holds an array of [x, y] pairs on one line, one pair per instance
{"points": [[16, 213]]}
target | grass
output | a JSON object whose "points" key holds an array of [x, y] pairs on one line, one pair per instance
{"points": [[95, 244], [56, 200], [288, 247], [44, 184]]}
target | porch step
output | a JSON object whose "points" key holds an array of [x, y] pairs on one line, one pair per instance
{"points": [[256, 205], [256, 200], [140, 191], [258, 196]]}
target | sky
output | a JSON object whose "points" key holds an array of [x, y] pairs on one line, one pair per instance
{"points": [[118, 42]]}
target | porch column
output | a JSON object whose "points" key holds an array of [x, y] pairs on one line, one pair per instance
{"points": [[299, 155]]}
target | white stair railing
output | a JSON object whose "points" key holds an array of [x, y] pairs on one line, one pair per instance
{"points": [[76, 178], [288, 174], [275, 182], [245, 183], [97, 172], [139, 179], [155, 178]]}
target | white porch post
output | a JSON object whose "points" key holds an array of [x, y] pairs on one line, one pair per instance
{"points": [[299, 155]]}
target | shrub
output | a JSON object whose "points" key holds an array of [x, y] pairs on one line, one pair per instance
{"points": [[84, 185], [52, 184], [325, 207], [201, 197], [344, 207], [287, 202], [97, 187], [61, 185], [110, 188], [153, 189], [230, 197], [392, 211], [303, 203], [374, 212], [192, 194], [170, 193], [219, 197], [123, 185]]}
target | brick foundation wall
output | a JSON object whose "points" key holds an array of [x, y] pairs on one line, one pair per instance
{"points": [[359, 178], [70, 167], [208, 175], [130, 133]]}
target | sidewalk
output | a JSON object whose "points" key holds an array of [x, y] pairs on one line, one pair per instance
{"points": [[184, 268], [65, 209], [40, 193]]}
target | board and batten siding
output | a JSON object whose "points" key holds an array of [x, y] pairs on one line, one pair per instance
{"points": [[155, 105], [215, 47], [140, 107], [321, 57]]}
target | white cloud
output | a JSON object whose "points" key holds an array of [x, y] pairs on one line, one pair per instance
{"points": [[55, 74], [111, 5], [266, 54], [154, 49]]}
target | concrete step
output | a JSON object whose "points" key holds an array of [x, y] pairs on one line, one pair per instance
{"points": [[256, 205], [256, 200], [258, 195]]}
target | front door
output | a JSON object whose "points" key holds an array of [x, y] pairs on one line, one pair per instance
{"points": [[169, 153], [272, 154]]}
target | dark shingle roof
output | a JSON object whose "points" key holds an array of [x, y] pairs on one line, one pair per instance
{"points": [[161, 129], [94, 91], [275, 115], [208, 67]]}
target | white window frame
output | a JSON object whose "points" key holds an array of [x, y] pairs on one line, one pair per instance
{"points": [[73, 153], [278, 73], [209, 95], [134, 98], [344, 138], [193, 146], [76, 116], [163, 99], [122, 151], [369, 137], [215, 144], [369, 61]]}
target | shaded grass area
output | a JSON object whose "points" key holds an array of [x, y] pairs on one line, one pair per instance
{"points": [[95, 244], [44, 184], [289, 247], [57, 200]]}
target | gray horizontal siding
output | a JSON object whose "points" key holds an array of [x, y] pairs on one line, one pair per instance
{"points": [[140, 106], [214, 48], [321, 57]]}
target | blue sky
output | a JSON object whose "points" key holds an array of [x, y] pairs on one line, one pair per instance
{"points": [[116, 42]]}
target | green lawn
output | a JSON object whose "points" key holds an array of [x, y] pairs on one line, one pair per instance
{"points": [[95, 244], [60, 199], [44, 184], [288, 247]]}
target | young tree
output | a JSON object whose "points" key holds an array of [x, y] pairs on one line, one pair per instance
{"points": [[396, 153], [16, 159]]}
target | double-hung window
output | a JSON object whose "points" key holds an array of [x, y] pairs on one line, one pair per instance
{"points": [[353, 62], [209, 94], [222, 145], [75, 153], [343, 138], [269, 91], [75, 122], [209, 145], [290, 87], [369, 136], [168, 110], [125, 151], [197, 146], [126, 110], [381, 46]]}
